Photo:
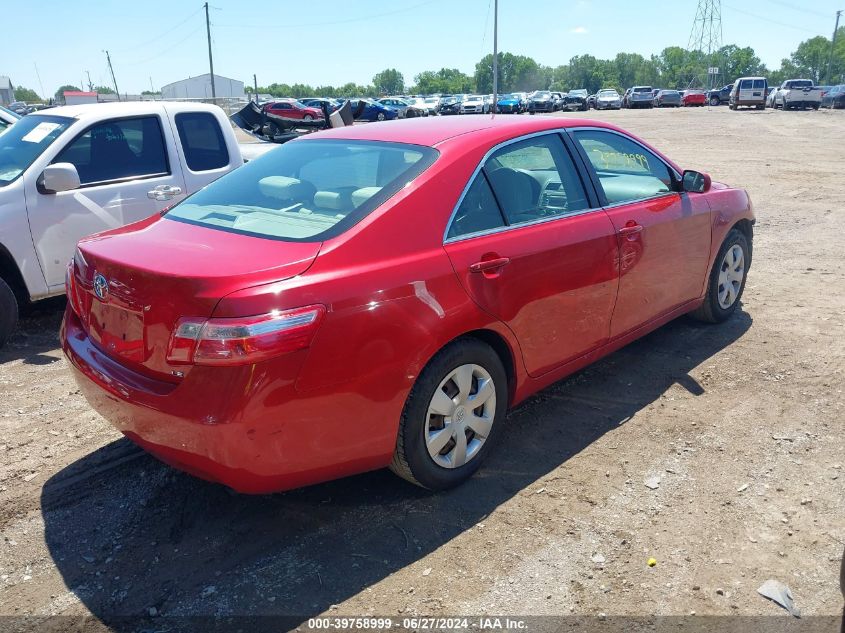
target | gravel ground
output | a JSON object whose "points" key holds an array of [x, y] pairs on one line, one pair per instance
{"points": [[737, 429]]}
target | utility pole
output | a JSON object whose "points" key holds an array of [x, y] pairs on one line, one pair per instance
{"points": [[111, 70], [210, 60], [255, 82], [832, 45], [90, 85], [495, 54]]}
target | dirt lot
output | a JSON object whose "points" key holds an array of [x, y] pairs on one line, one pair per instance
{"points": [[741, 423]]}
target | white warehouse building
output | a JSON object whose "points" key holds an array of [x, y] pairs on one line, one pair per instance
{"points": [[199, 87]]}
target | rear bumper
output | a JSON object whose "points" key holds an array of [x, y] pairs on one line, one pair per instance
{"points": [[246, 427]]}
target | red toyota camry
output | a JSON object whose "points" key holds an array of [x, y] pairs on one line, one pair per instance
{"points": [[380, 295]]}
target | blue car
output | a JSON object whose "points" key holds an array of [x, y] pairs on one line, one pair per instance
{"points": [[509, 104], [369, 110]]}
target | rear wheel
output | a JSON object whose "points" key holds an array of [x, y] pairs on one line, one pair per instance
{"points": [[308, 117], [714, 101], [8, 312], [452, 416], [727, 279], [380, 116]]}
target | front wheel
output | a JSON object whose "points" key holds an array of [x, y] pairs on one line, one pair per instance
{"points": [[451, 416], [308, 117], [714, 101], [380, 116], [727, 279], [8, 312]]}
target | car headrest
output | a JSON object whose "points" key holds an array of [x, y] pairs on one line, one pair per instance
{"points": [[360, 196], [281, 187], [330, 200]]}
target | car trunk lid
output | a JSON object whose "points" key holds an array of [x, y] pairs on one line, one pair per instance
{"points": [[132, 285]]}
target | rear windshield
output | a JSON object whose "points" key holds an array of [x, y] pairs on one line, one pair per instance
{"points": [[799, 83], [306, 190], [643, 89]]}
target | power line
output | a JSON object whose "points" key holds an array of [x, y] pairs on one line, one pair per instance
{"points": [[800, 9], [765, 19], [266, 26], [168, 49], [160, 35]]}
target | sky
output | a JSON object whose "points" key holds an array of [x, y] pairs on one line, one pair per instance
{"points": [[155, 42]]}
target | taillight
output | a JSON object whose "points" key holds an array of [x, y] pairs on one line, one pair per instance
{"points": [[70, 289], [245, 340]]}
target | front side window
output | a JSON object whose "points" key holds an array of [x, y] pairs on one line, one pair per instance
{"points": [[202, 141], [626, 170], [306, 190], [118, 150]]}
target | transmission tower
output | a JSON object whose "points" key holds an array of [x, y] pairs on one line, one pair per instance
{"points": [[706, 36]]}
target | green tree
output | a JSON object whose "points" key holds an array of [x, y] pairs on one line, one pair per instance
{"points": [[104, 90], [516, 73], [443, 81], [60, 93], [735, 62], [25, 94], [389, 82], [811, 57]]}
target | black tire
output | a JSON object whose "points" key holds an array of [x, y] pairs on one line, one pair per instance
{"points": [[710, 311], [816, 106], [272, 129], [411, 460], [714, 101], [8, 312]]}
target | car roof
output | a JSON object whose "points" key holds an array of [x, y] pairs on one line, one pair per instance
{"points": [[432, 131], [127, 108]]}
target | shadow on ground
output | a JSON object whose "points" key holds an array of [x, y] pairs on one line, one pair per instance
{"points": [[129, 534], [37, 333]]}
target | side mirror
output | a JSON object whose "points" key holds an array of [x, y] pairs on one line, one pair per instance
{"points": [[696, 181], [58, 177]]}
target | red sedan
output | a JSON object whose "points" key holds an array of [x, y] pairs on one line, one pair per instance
{"points": [[380, 295], [293, 109], [693, 98]]}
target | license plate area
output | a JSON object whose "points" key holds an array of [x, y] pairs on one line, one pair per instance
{"points": [[118, 331]]}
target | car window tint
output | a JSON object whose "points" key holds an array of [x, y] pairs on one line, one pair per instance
{"points": [[745, 84], [626, 170], [759, 84], [535, 179], [118, 149], [478, 210], [202, 141]]}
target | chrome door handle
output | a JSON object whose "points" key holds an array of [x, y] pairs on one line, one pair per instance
{"points": [[164, 192]]}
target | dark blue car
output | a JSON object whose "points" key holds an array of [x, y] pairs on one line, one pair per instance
{"points": [[368, 110]]}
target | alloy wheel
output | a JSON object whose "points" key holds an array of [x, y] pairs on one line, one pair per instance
{"points": [[460, 416], [731, 274]]}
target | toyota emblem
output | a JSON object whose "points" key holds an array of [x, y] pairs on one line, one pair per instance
{"points": [[101, 287]]}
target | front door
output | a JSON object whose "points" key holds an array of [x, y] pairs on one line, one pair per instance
{"points": [[119, 161], [664, 236], [530, 251]]}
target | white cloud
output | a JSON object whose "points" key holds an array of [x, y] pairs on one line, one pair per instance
{"points": [[579, 30]]}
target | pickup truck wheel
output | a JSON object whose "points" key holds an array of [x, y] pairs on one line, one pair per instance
{"points": [[714, 101], [8, 312], [452, 416], [726, 281]]}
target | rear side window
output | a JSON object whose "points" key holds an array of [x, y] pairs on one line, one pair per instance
{"points": [[626, 170], [118, 150], [478, 210], [306, 190], [202, 141]]}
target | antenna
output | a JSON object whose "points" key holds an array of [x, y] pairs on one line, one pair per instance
{"points": [[706, 36]]}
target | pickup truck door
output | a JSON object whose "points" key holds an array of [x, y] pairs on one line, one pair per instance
{"points": [[119, 160]]}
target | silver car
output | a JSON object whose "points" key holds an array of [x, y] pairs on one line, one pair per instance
{"points": [[608, 99]]}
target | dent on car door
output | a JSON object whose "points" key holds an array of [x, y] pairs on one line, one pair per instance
{"points": [[664, 236], [119, 161], [531, 250]]}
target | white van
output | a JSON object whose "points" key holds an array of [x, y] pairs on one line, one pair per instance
{"points": [[749, 92]]}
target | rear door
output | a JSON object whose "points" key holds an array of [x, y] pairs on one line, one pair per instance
{"points": [[531, 249], [664, 236], [203, 149], [119, 161]]}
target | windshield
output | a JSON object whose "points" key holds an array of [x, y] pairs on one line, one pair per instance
{"points": [[508, 98], [578, 93], [542, 94], [608, 93], [306, 190], [25, 141]]}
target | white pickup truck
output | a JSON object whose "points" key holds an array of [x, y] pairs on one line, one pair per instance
{"points": [[797, 93], [76, 170]]}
